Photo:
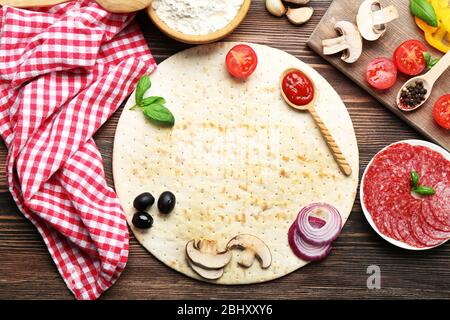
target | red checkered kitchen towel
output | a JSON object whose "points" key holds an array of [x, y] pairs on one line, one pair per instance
{"points": [[63, 71]]}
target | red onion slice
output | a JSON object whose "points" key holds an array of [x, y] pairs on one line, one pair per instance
{"points": [[304, 250], [323, 235], [315, 222]]}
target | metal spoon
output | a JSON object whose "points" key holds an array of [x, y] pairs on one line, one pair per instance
{"points": [[332, 145], [428, 79], [115, 6]]}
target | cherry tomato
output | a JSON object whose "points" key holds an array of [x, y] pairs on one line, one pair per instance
{"points": [[441, 111], [381, 73], [241, 61], [409, 57], [298, 88]]}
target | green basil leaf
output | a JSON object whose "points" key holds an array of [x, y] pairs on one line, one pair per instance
{"points": [[414, 179], [143, 85], [148, 101], [159, 114], [427, 58], [425, 11], [152, 100], [425, 190], [430, 62], [433, 62]]}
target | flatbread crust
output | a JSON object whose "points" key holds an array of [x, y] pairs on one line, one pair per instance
{"points": [[238, 159]]}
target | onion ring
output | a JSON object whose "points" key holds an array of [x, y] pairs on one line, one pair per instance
{"points": [[319, 236], [304, 250]]}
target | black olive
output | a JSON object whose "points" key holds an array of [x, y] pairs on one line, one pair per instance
{"points": [[166, 202], [143, 201], [142, 220]]}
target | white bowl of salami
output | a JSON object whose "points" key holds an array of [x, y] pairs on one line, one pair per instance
{"points": [[405, 194]]}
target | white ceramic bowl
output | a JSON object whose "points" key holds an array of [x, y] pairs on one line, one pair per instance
{"points": [[397, 243]]}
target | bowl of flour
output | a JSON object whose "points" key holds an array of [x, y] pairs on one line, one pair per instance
{"points": [[198, 21]]}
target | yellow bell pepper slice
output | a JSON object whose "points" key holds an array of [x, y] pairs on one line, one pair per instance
{"points": [[442, 9], [438, 37], [425, 27]]}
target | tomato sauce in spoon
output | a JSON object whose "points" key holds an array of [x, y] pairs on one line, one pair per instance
{"points": [[298, 88]]}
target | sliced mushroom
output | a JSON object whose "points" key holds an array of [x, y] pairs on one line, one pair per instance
{"points": [[275, 7], [252, 248], [372, 19], [299, 15], [247, 258], [298, 1], [350, 42], [204, 254], [210, 274]]}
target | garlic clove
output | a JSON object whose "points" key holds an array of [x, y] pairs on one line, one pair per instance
{"points": [[299, 16], [303, 2], [275, 7]]}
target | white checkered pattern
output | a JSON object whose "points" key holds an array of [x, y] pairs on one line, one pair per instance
{"points": [[63, 71]]}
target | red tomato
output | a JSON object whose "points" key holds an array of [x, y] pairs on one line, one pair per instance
{"points": [[298, 88], [409, 58], [241, 61], [441, 111], [381, 73]]}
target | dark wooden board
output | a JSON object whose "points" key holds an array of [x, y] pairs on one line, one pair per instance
{"points": [[398, 31], [27, 271]]}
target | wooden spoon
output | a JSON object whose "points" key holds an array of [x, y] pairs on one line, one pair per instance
{"points": [[428, 79], [334, 148], [115, 6]]}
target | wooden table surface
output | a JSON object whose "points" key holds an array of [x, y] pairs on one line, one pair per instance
{"points": [[27, 271]]}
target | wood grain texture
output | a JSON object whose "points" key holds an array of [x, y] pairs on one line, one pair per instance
{"points": [[398, 31], [27, 271]]}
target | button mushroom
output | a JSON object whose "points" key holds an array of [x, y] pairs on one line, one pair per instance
{"points": [[299, 16], [350, 42], [252, 247], [372, 18], [204, 254]]}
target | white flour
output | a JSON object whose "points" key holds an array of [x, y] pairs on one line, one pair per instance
{"points": [[197, 17]]}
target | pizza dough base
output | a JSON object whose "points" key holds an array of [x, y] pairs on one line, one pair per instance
{"points": [[239, 159]]}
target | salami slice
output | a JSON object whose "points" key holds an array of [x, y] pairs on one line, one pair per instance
{"points": [[403, 227], [417, 229], [399, 213], [429, 217], [434, 167], [395, 234], [440, 203], [429, 229], [419, 221]]}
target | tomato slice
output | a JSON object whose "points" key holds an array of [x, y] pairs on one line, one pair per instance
{"points": [[441, 111], [409, 58], [381, 73], [241, 61]]}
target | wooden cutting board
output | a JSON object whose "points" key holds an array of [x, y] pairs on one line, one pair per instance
{"points": [[398, 31]]}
